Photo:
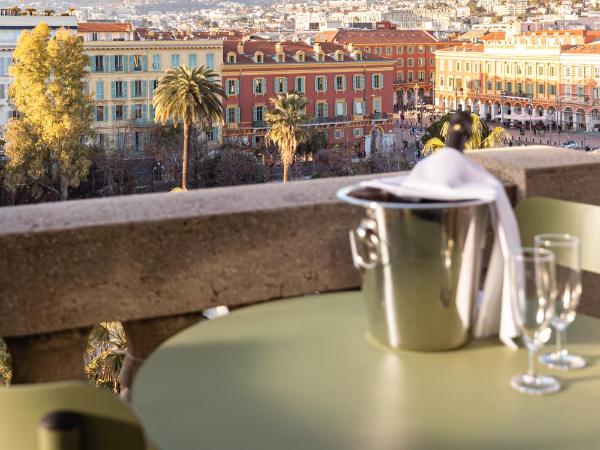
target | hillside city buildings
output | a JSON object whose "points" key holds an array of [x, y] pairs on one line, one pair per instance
{"points": [[357, 62]]}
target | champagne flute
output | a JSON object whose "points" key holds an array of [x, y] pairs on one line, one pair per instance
{"points": [[533, 294], [568, 287]]}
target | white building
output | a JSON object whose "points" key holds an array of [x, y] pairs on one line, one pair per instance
{"points": [[11, 27]]}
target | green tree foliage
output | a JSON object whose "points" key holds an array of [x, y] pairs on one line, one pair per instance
{"points": [[481, 137], [285, 127], [190, 96], [46, 145]]}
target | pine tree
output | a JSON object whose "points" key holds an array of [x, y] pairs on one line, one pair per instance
{"points": [[47, 143]]}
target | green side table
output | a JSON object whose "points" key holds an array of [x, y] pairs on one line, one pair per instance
{"points": [[301, 374]]}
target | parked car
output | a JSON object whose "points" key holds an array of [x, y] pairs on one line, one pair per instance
{"points": [[570, 144]]}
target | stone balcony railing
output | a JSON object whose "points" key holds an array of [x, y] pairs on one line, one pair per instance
{"points": [[154, 261]]}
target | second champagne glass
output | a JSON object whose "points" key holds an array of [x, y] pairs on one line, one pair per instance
{"points": [[568, 287], [533, 294]]}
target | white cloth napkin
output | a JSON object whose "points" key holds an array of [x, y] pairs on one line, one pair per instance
{"points": [[448, 175]]}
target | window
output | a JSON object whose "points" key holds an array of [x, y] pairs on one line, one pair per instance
{"points": [[100, 114], [232, 87], [467, 67], [94, 36], [99, 90], [259, 114], [410, 62], [597, 72], [340, 108], [299, 85], [432, 62], [498, 86], [340, 82], [367, 49], [580, 72], [119, 89], [210, 61], [280, 85], [421, 62], [137, 88], [410, 49], [320, 84], [137, 112], [321, 110], [231, 57], [300, 56], [567, 71], [98, 65], [193, 60], [378, 51], [400, 77], [118, 63], [399, 50], [400, 63], [338, 133], [568, 90], [233, 114], [376, 106], [421, 76], [377, 81], [358, 132], [260, 86], [358, 82], [410, 77], [388, 50], [552, 71], [175, 60], [540, 89], [156, 62], [137, 63], [339, 56], [258, 58], [529, 70], [119, 112], [358, 107], [441, 81], [476, 67], [540, 71], [280, 58], [153, 86], [421, 49], [320, 57], [458, 66], [488, 85], [580, 91]]}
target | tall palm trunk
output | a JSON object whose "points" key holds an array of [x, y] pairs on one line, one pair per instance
{"points": [[285, 173], [186, 155]]}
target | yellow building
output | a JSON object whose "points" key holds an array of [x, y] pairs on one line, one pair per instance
{"points": [[519, 79], [124, 72]]}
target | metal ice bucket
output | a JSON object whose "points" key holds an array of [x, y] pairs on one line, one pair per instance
{"points": [[421, 264]]}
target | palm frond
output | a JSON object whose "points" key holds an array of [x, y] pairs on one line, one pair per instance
{"points": [[432, 146]]}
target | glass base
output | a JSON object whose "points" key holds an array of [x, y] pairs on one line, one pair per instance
{"points": [[540, 385], [562, 361]]}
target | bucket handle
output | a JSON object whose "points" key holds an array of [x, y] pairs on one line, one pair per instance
{"points": [[365, 233]]}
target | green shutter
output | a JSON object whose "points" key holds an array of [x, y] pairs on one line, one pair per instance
{"points": [[113, 113], [325, 110], [316, 84], [124, 89], [354, 82], [237, 86], [254, 86], [113, 89], [237, 115], [254, 113], [324, 84], [285, 86]]}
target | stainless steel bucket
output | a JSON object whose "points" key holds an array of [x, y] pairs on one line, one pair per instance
{"points": [[421, 264]]}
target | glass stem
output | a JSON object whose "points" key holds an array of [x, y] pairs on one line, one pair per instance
{"points": [[532, 370], [561, 341]]}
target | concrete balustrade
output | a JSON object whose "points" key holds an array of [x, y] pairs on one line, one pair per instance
{"points": [[155, 261]]}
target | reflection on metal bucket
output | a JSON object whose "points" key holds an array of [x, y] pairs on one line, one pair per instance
{"points": [[421, 264]]}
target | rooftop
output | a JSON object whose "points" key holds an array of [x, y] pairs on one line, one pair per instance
{"points": [[379, 37]]}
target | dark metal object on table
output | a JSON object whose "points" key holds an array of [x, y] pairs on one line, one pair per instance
{"points": [[460, 129]]}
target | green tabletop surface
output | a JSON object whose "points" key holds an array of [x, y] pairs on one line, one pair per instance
{"points": [[301, 374]]}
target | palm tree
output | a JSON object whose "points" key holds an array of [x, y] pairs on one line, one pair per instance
{"points": [[285, 127], [105, 354], [481, 137], [191, 96]]}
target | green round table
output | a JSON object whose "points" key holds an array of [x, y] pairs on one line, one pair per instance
{"points": [[300, 374]]}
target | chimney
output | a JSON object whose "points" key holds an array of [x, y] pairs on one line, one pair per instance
{"points": [[240, 48]]}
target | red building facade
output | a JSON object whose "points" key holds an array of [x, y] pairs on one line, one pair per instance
{"points": [[349, 93], [413, 52]]}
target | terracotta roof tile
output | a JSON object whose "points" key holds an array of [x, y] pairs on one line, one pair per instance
{"points": [[94, 27], [383, 37]]}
